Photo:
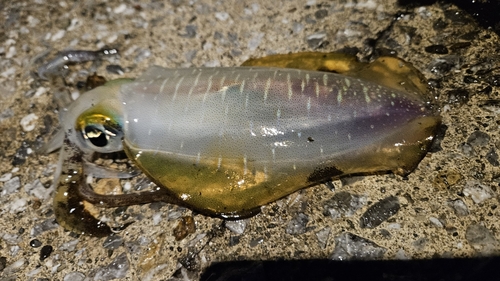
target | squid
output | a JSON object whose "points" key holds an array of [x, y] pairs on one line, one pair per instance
{"points": [[226, 141]]}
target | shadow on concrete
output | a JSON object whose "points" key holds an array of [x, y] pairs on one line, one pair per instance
{"points": [[483, 269]]}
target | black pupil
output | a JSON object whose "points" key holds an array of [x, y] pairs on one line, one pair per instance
{"points": [[96, 136]]}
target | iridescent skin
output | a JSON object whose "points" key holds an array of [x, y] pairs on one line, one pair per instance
{"points": [[229, 140], [225, 141]]}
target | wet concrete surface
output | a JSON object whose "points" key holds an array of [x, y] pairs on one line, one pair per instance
{"points": [[446, 208]]}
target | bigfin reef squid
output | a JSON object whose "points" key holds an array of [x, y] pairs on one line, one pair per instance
{"points": [[226, 141]]}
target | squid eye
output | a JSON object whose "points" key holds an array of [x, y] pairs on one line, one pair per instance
{"points": [[102, 138], [96, 136], [98, 130]]}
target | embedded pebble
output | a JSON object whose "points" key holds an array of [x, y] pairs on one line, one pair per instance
{"points": [[436, 222], [207, 46], [379, 212], [46, 225], [36, 271], [184, 227], [447, 178], [440, 134], [256, 241], [385, 233], [40, 91], [118, 268], [222, 16], [235, 53], [5, 177], [3, 263], [8, 72], [112, 38], [401, 255], [197, 239], [466, 149], [143, 54], [297, 225], [436, 49], [130, 50], [69, 246], [443, 65], [470, 79], [7, 113], [11, 239], [45, 252], [234, 240], [174, 214], [478, 139], [18, 205], [11, 52], [297, 27], [370, 4], [28, 122], [233, 38], [75, 22], [349, 246], [74, 276], [320, 14], [459, 207], [255, 7], [75, 95], [157, 218], [310, 20], [35, 243], [254, 42], [458, 96], [120, 211], [218, 36], [322, 237], [420, 243], [120, 9], [477, 191], [439, 24], [343, 204], [113, 242], [115, 69], [190, 55], [492, 157], [316, 39], [37, 189], [190, 31], [21, 154], [213, 63], [11, 186], [14, 250], [481, 238], [237, 226], [494, 80], [58, 35], [14, 267]]}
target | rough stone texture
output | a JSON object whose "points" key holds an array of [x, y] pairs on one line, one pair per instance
{"points": [[379, 212], [352, 247], [343, 204], [181, 33]]}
